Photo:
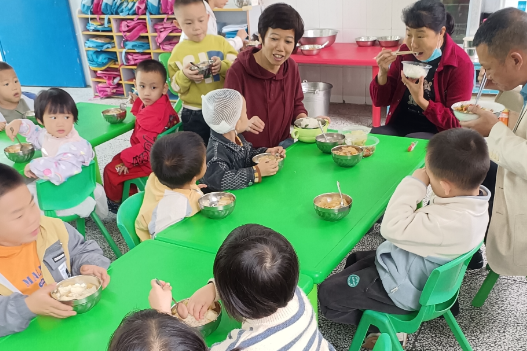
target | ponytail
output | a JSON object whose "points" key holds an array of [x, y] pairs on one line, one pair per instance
{"points": [[450, 24]]}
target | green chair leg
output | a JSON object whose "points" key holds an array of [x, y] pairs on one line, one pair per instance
{"points": [[126, 191], [98, 178], [106, 235], [81, 226], [360, 335], [313, 298], [485, 289], [458, 333]]}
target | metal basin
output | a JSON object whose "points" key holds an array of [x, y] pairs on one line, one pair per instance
{"points": [[334, 139], [365, 41], [212, 207], [389, 41], [319, 36], [345, 160], [16, 155], [332, 214], [86, 304]]}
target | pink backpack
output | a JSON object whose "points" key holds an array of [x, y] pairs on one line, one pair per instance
{"points": [[132, 29], [106, 90], [140, 8], [168, 45], [163, 29], [167, 6], [97, 7], [111, 75], [133, 58]]}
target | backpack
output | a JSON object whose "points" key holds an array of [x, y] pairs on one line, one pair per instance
{"points": [[168, 45], [106, 90], [99, 43], [140, 8], [97, 7], [128, 8], [154, 7], [111, 75], [95, 25], [107, 7], [163, 29], [139, 45], [167, 6], [133, 58], [132, 29], [98, 60], [86, 6]]}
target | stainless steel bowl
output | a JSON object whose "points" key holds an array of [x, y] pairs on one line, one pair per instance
{"points": [[114, 115], [347, 161], [311, 50], [330, 214], [205, 68], [86, 304], [16, 155], [365, 41], [334, 139], [390, 41], [471, 52], [208, 328], [31, 116], [256, 159], [319, 36], [211, 208]]}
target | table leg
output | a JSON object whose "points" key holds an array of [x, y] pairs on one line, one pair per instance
{"points": [[375, 111], [313, 298]]}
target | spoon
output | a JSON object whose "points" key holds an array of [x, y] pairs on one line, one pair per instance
{"points": [[161, 285], [323, 133], [193, 64], [213, 201], [22, 146], [340, 192]]}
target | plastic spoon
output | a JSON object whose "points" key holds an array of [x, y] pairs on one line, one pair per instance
{"points": [[322, 129], [340, 192], [22, 146]]}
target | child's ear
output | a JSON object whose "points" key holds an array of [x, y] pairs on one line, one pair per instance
{"points": [[165, 88], [176, 23], [447, 188]]}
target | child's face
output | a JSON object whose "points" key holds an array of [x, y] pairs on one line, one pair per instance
{"points": [[221, 3], [243, 122], [150, 86], [193, 20], [20, 217], [10, 89], [58, 125]]}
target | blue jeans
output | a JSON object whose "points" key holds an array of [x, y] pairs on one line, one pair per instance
{"points": [[193, 122]]}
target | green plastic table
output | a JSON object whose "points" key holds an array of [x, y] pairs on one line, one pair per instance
{"points": [[186, 269], [91, 126], [284, 203]]}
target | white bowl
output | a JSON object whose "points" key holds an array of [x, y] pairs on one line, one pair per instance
{"points": [[489, 105], [415, 70]]}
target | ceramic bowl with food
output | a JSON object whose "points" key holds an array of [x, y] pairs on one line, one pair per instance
{"points": [[306, 129], [204, 68], [370, 146], [365, 41], [207, 325], [114, 115], [347, 155], [328, 141], [461, 109], [390, 41], [266, 157], [357, 135], [82, 292], [329, 208], [311, 50], [19, 154], [415, 70], [217, 205]]}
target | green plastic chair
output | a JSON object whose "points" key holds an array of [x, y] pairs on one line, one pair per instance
{"points": [[52, 198], [383, 343], [163, 58], [486, 288], [126, 219], [439, 294]]}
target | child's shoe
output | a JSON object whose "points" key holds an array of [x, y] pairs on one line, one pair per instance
{"points": [[113, 207], [371, 339]]}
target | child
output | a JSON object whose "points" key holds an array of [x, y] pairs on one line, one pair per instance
{"points": [[229, 155], [255, 277], [392, 278], [171, 193], [13, 104], [212, 27], [154, 114], [191, 17], [64, 151], [36, 252], [149, 330]]}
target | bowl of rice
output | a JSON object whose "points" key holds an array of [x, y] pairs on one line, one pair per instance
{"points": [[82, 292], [205, 326], [415, 70], [328, 206]]}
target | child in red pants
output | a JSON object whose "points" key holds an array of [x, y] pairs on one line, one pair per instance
{"points": [[154, 114]]}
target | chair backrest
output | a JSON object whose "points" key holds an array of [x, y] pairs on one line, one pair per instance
{"points": [[163, 58], [69, 194], [126, 217], [383, 343], [445, 281], [171, 130]]}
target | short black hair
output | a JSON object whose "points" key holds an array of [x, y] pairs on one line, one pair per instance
{"points": [[281, 16], [460, 156], [4, 66], [10, 179], [152, 330], [179, 3], [177, 158], [256, 272], [430, 14], [503, 31], [55, 100], [148, 66]]}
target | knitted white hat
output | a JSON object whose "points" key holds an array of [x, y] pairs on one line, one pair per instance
{"points": [[222, 109]]}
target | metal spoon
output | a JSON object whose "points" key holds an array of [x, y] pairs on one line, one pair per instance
{"points": [[213, 202], [193, 64], [340, 192], [22, 146], [161, 285], [322, 129]]}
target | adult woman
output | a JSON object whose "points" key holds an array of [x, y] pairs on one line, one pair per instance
{"points": [[269, 79], [420, 108]]}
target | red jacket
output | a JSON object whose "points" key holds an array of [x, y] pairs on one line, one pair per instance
{"points": [[453, 82], [275, 98], [150, 122]]}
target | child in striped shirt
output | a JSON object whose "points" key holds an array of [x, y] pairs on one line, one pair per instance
{"points": [[255, 276]]}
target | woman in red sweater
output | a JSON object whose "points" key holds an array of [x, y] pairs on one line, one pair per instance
{"points": [[269, 79], [420, 108]]}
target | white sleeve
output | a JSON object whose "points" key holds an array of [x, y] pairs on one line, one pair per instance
{"points": [[172, 208], [236, 43], [30, 102], [2, 118]]}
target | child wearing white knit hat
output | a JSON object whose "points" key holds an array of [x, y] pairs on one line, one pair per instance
{"points": [[229, 155]]}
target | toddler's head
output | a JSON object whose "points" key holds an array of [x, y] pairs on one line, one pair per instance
{"points": [[19, 214], [457, 161], [256, 272], [150, 81], [56, 111], [192, 18], [10, 88], [149, 330], [225, 110], [179, 160]]}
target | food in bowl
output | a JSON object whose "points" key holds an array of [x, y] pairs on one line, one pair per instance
{"points": [[464, 108], [210, 316], [357, 137], [331, 203], [269, 158], [309, 123], [415, 70], [76, 291], [223, 201], [369, 146], [462, 113], [346, 151]]}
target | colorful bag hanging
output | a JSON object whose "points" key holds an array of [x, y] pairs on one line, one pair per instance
{"points": [[98, 26], [111, 75], [99, 60], [168, 45], [128, 9], [99, 43], [140, 8], [96, 9], [153, 7], [167, 6], [133, 58], [163, 29], [86, 6], [105, 90], [139, 45], [107, 7], [132, 29]]}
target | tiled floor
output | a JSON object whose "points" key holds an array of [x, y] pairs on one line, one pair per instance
{"points": [[501, 324]]}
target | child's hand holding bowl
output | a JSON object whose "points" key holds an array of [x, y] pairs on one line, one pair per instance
{"points": [[216, 66]]}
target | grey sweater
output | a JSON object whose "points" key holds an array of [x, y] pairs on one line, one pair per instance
{"points": [[229, 165]]}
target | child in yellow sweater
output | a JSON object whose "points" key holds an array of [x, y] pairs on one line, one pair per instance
{"points": [[192, 18]]}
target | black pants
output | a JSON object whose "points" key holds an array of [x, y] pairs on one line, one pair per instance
{"points": [[344, 296], [490, 183], [395, 130], [193, 122]]}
